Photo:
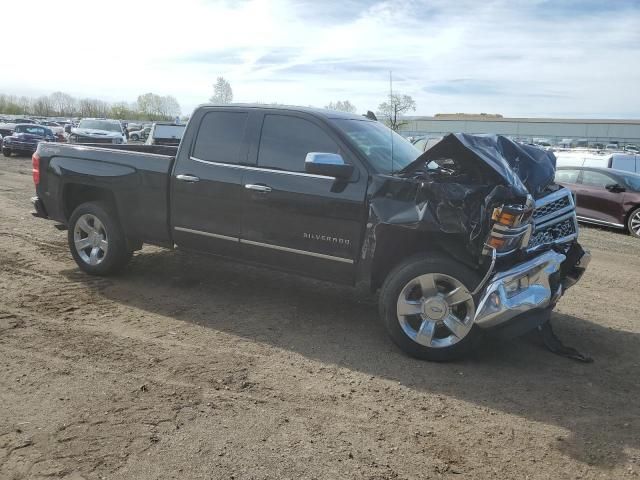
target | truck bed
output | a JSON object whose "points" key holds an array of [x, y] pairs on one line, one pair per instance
{"points": [[136, 176]]}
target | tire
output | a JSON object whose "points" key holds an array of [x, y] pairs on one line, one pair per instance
{"points": [[95, 224], [6, 152], [633, 223], [135, 138], [434, 293]]}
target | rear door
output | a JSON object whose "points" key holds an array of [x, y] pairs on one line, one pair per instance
{"points": [[296, 221], [595, 202], [207, 193]]}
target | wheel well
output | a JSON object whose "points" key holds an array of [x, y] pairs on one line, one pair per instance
{"points": [[75, 195], [628, 214], [394, 244]]}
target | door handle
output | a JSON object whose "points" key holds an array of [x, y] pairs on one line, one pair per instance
{"points": [[258, 188], [187, 178]]}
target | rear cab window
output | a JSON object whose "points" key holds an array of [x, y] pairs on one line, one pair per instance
{"points": [[221, 136]]}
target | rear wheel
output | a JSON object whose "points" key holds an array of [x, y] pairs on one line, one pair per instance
{"points": [[96, 240], [633, 223], [6, 152], [428, 310], [135, 138]]}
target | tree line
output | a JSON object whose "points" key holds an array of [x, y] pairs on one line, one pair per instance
{"points": [[391, 111], [148, 106]]}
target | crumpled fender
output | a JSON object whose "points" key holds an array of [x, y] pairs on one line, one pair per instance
{"points": [[485, 171]]}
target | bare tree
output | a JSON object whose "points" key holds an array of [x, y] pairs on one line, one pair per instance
{"points": [[170, 107], [42, 106], [63, 103], [342, 106], [222, 91], [149, 106], [395, 107], [25, 104]]}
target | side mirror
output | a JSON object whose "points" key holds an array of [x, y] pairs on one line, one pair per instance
{"points": [[615, 188], [67, 128], [328, 164]]}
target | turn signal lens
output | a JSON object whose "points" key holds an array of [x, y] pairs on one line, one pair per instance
{"points": [[504, 218], [496, 242]]}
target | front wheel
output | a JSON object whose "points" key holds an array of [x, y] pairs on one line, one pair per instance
{"points": [[633, 223], [135, 138], [6, 152], [96, 240], [428, 310]]}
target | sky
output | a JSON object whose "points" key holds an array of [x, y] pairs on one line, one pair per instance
{"points": [[556, 58]]}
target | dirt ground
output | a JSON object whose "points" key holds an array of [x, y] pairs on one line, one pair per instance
{"points": [[187, 367]]}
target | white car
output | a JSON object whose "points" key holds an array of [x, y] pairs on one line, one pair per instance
{"points": [[97, 130], [141, 134]]}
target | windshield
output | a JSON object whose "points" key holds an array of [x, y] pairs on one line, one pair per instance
{"points": [[100, 125], [373, 140], [633, 182], [32, 129]]}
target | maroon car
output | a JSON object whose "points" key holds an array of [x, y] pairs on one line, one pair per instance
{"points": [[604, 196]]}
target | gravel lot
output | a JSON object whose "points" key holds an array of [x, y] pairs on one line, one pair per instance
{"points": [[184, 367]]}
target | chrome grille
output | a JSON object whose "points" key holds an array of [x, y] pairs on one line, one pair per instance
{"points": [[551, 207], [554, 220], [553, 232]]}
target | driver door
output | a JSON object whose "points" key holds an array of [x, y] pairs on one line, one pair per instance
{"points": [[298, 221]]}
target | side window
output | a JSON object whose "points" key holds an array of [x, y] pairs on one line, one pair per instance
{"points": [[596, 179], [221, 136], [286, 140], [567, 176]]}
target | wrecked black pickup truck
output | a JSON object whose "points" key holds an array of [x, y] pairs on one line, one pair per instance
{"points": [[469, 237]]}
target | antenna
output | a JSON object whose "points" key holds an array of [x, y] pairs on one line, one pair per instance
{"points": [[391, 113]]}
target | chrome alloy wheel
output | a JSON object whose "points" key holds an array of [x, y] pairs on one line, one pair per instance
{"points": [[435, 310], [90, 239], [634, 223]]}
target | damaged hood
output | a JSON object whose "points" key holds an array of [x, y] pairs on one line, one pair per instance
{"points": [[450, 190], [523, 168]]}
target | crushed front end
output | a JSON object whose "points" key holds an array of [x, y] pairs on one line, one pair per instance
{"points": [[519, 225]]}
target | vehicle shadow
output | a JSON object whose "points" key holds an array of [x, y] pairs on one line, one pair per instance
{"points": [[597, 403]]}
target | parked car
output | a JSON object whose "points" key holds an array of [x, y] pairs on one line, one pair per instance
{"points": [[140, 134], [24, 120], [165, 134], [469, 246], [96, 130], [627, 161], [632, 148], [56, 128], [604, 196], [612, 147], [25, 139]]}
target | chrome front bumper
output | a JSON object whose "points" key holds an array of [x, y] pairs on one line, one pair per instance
{"points": [[525, 287]]}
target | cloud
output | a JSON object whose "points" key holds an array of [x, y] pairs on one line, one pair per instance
{"points": [[518, 57]]}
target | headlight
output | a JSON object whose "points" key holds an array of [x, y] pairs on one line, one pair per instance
{"points": [[512, 215], [511, 228]]}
